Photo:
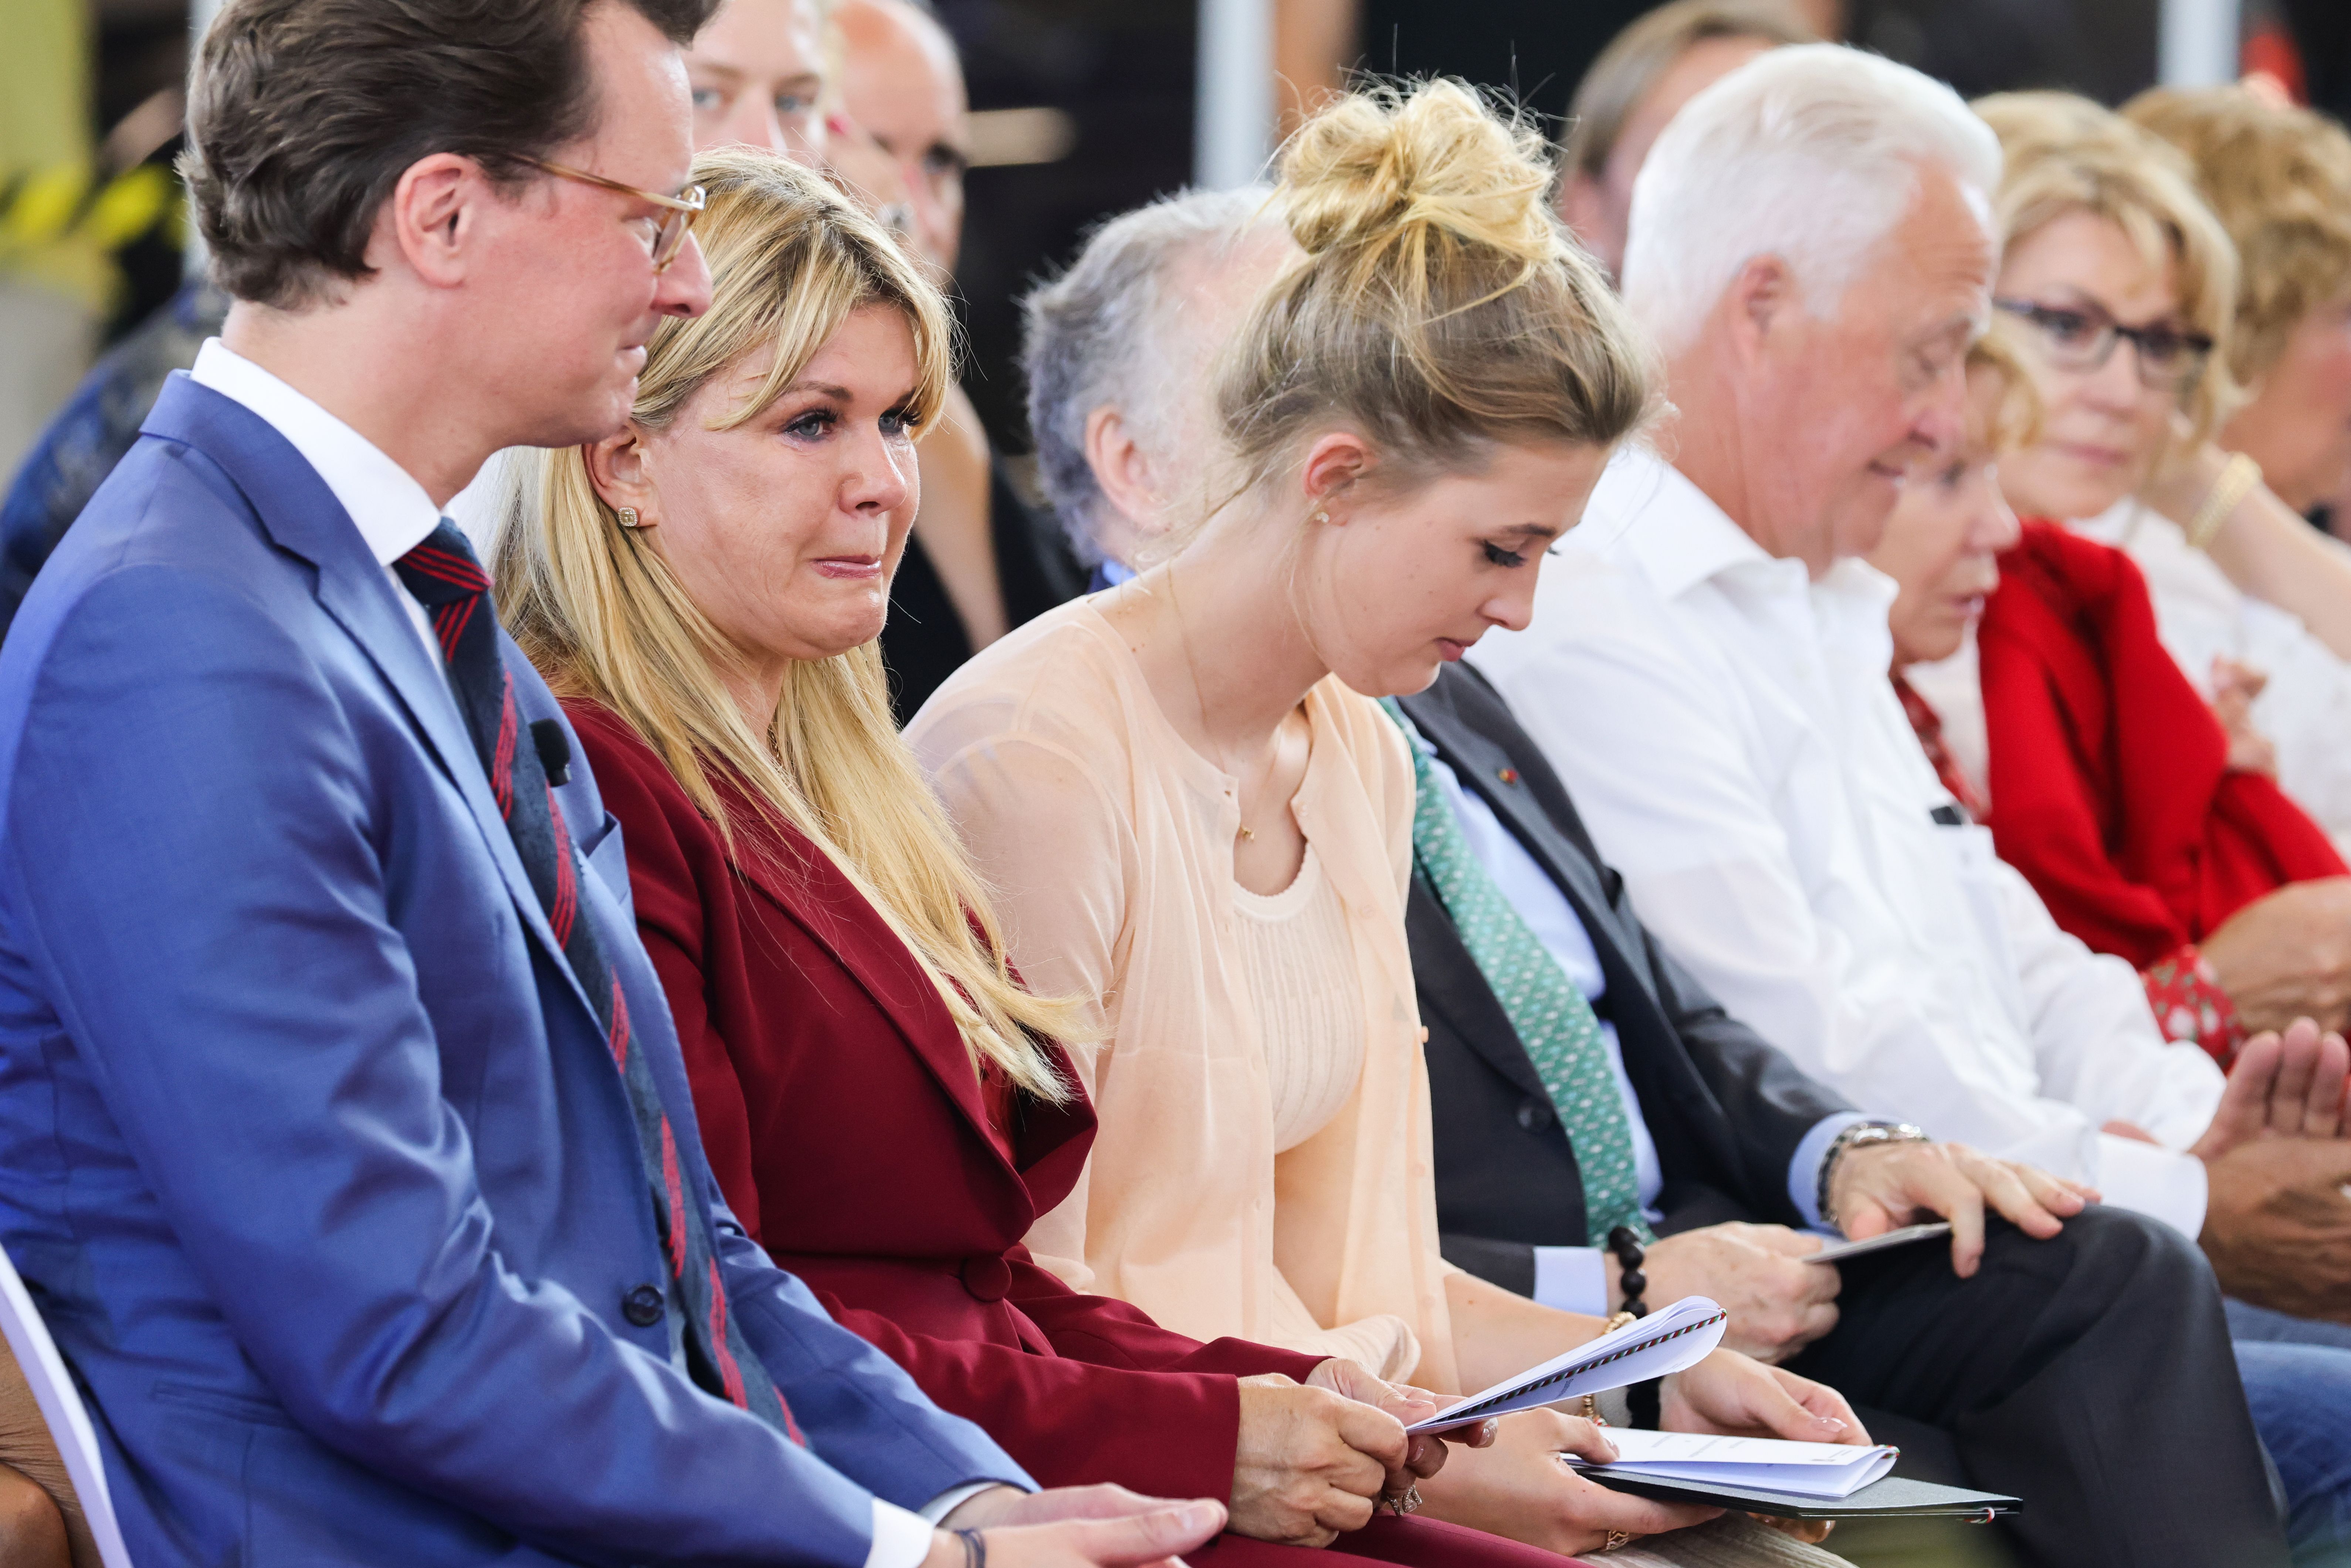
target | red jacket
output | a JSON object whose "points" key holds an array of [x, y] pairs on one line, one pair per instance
{"points": [[846, 1125], [2110, 784]]}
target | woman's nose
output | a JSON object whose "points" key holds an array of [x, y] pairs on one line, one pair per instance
{"points": [[1513, 610], [881, 475]]}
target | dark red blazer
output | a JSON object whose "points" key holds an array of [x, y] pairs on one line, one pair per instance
{"points": [[842, 1116], [2110, 785]]}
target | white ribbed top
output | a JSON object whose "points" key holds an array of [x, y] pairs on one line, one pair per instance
{"points": [[1299, 962]]}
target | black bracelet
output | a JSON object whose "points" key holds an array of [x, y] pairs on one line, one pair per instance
{"points": [[974, 1548], [1627, 1245]]}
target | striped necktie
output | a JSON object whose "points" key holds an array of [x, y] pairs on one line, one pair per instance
{"points": [[445, 578], [1554, 1022]]}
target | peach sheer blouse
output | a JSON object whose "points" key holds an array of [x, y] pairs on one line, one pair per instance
{"points": [[1109, 842]]}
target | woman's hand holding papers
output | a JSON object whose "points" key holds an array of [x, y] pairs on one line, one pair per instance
{"points": [[1523, 1487], [1406, 1404], [1737, 1396], [1310, 1461]]}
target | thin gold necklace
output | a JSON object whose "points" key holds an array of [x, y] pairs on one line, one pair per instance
{"points": [[1200, 702]]}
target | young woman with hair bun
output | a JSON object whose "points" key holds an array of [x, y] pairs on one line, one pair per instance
{"points": [[881, 1101], [1198, 822]]}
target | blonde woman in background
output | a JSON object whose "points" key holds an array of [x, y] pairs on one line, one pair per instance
{"points": [[2263, 589], [1200, 821]]}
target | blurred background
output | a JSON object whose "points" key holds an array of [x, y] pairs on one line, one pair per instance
{"points": [[1082, 108]]}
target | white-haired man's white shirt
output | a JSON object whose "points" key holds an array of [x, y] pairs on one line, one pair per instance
{"points": [[1731, 736]]}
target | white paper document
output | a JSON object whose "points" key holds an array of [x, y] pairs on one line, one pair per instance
{"points": [[1809, 1469], [1663, 1343]]}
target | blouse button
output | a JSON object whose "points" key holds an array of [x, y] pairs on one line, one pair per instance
{"points": [[987, 1276]]}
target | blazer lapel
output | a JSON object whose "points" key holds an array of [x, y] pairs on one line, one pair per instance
{"points": [[301, 516], [810, 890], [1654, 1057], [1454, 991]]}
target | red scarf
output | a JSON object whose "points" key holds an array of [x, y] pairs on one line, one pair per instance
{"points": [[2110, 784]]}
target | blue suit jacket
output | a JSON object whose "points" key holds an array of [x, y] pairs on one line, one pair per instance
{"points": [[309, 1143]]}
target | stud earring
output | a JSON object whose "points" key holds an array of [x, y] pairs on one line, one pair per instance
{"points": [[1320, 516], [628, 516]]}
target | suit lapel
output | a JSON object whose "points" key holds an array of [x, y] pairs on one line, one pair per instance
{"points": [[814, 894], [1656, 1058], [1454, 991], [301, 515]]}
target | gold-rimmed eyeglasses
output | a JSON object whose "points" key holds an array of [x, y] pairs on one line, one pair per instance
{"points": [[678, 212]]}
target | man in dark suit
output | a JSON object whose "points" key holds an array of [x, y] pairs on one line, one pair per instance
{"points": [[345, 1140], [2030, 1376]]}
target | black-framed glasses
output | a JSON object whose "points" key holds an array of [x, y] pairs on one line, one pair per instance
{"points": [[678, 212], [2083, 338]]}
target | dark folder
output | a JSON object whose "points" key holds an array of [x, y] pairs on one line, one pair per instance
{"points": [[1893, 1498]]}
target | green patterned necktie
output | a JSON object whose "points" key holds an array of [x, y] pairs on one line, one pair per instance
{"points": [[1554, 1022]]}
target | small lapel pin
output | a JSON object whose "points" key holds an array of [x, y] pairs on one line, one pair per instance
{"points": [[1508, 775]]}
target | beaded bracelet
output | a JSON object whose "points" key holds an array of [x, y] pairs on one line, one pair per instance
{"points": [[1626, 1244]]}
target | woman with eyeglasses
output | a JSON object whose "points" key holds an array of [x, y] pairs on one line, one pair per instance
{"points": [[2145, 815]]}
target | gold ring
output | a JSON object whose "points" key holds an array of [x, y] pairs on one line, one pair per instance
{"points": [[1616, 1538]]}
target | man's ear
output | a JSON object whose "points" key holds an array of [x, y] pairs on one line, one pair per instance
{"points": [[1759, 301], [621, 470], [1121, 467], [432, 218]]}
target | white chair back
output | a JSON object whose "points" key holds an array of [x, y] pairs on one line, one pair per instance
{"points": [[60, 1401]]}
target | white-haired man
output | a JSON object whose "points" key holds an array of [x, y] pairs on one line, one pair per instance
{"points": [[1974, 1365], [1707, 668]]}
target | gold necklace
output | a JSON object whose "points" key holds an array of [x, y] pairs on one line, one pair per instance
{"points": [[1200, 702]]}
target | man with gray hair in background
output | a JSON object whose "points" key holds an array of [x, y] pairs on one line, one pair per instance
{"points": [[1119, 351], [1707, 668]]}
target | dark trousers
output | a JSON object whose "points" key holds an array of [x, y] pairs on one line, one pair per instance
{"points": [[2090, 1375]]}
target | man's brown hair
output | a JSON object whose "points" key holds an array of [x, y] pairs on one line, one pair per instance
{"points": [[303, 114], [1644, 52]]}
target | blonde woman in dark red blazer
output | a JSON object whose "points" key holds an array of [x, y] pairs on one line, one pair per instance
{"points": [[881, 1101]]}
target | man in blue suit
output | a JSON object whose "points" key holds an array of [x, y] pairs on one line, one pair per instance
{"points": [[343, 1133]]}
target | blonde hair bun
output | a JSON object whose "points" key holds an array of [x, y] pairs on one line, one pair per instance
{"points": [[1440, 307], [1396, 166]]}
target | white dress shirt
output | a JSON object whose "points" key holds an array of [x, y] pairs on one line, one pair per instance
{"points": [[1733, 742], [388, 507], [393, 516], [1575, 1279]]}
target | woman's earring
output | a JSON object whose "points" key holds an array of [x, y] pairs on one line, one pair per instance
{"points": [[628, 516], [1320, 516]]}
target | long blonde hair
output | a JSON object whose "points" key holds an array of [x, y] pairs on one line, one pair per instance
{"points": [[602, 614]]}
